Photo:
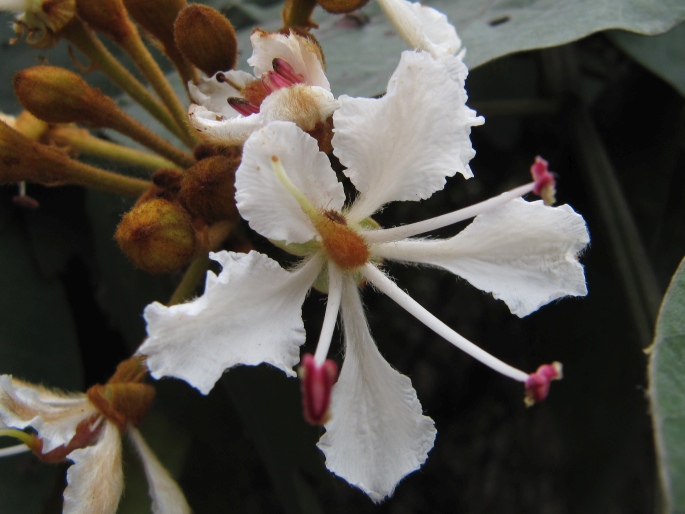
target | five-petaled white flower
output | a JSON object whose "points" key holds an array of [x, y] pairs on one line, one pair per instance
{"points": [[399, 147], [289, 84], [73, 427]]}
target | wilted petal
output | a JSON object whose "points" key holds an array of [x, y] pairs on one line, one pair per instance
{"points": [[301, 53], [424, 28], [524, 253], [377, 433], [404, 145], [265, 202], [250, 313], [96, 479], [53, 415], [213, 93], [228, 131], [167, 497]]}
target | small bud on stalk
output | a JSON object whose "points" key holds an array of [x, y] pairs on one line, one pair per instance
{"points": [[208, 189], [106, 16], [157, 235], [206, 38], [342, 6]]}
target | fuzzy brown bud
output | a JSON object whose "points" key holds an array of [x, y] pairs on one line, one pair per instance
{"points": [[157, 235], [208, 189], [342, 6], [57, 95], [157, 17], [206, 38], [106, 16]]}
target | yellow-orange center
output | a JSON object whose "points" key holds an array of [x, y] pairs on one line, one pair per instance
{"points": [[343, 245]]}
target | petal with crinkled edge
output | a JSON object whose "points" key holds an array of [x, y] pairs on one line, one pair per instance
{"points": [[263, 200], [524, 253], [404, 145], [53, 415], [167, 497], [301, 53], [96, 479], [213, 95], [377, 433], [424, 28], [227, 131], [249, 314]]}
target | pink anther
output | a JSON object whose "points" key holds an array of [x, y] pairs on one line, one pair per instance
{"points": [[538, 383], [316, 385]]}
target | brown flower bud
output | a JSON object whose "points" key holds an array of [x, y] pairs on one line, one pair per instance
{"points": [[157, 17], [206, 38], [342, 6], [208, 189], [57, 95], [157, 235], [106, 16]]}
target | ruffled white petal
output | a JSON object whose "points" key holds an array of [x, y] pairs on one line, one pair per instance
{"points": [[524, 253], [53, 415], [167, 497], [250, 313], [404, 145], [15, 6], [265, 202], [301, 53], [96, 479], [303, 105], [422, 27], [377, 433], [213, 95]]}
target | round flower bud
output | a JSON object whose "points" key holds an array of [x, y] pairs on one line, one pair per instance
{"points": [[206, 38], [106, 16], [208, 189], [157, 17], [342, 6], [157, 235]]}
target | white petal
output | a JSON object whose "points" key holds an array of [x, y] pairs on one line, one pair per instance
{"points": [[15, 6], [167, 497], [213, 94], [524, 253], [53, 415], [302, 54], [228, 131], [303, 105], [424, 28], [404, 145], [263, 200], [377, 433], [96, 479], [250, 313]]}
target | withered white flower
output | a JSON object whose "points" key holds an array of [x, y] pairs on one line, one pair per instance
{"points": [[289, 84], [399, 147], [71, 427], [41, 19]]}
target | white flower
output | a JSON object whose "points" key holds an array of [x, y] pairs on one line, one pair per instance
{"points": [[399, 147], [71, 426], [289, 84]]}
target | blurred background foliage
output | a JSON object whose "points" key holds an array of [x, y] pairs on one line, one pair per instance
{"points": [[603, 105]]}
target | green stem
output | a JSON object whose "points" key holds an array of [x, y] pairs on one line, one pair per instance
{"points": [[87, 42], [85, 143], [192, 277], [96, 178]]}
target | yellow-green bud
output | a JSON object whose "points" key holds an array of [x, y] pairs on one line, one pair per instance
{"points": [[206, 38], [157, 235]]}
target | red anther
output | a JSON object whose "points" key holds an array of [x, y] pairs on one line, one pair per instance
{"points": [[26, 202], [537, 385], [545, 183], [273, 81], [286, 71], [242, 106], [316, 383]]}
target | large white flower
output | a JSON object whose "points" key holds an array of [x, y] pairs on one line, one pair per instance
{"points": [[289, 84], [399, 147], [71, 426]]}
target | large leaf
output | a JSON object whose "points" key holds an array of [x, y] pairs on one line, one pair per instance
{"points": [[667, 392]]}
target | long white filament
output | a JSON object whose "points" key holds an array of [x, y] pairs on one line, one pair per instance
{"points": [[402, 232], [387, 286], [335, 285], [13, 450]]}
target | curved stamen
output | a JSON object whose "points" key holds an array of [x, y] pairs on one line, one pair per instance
{"points": [[242, 106], [387, 286], [388, 235], [331, 316]]}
